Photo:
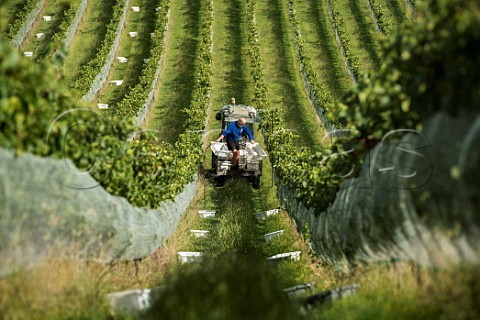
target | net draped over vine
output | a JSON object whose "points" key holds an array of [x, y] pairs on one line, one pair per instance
{"points": [[49, 209], [430, 215]]}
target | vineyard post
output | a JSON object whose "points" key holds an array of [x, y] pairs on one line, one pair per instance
{"points": [[271, 135]]}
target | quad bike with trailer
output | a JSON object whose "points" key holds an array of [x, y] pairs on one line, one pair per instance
{"points": [[251, 155]]}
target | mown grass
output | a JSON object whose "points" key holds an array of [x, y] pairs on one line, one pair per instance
{"points": [[285, 86], [135, 49], [320, 45], [177, 80], [230, 69], [41, 47], [89, 36]]}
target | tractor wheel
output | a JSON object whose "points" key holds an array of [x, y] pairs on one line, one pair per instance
{"points": [[214, 162], [220, 181], [256, 182]]}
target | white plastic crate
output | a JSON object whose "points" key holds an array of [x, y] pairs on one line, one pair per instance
{"points": [[271, 235], [122, 59], [47, 18], [28, 54], [189, 256], [264, 214], [102, 106], [133, 34], [117, 82], [131, 301], [219, 149], [40, 35], [207, 213], [299, 289], [200, 233], [294, 255], [136, 9]]}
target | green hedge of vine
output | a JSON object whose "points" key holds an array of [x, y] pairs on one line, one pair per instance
{"points": [[92, 68], [339, 24], [59, 36], [136, 97], [21, 17], [34, 106], [384, 24], [322, 94]]}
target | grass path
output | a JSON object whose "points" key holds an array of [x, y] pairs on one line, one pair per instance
{"points": [[320, 45], [176, 82], [235, 230], [361, 31], [285, 86]]}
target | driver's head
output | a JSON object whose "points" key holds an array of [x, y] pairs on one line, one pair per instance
{"points": [[241, 121]]}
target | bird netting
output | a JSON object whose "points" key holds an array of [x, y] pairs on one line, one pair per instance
{"points": [[416, 198], [48, 208]]}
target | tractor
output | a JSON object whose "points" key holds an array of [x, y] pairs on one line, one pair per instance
{"points": [[251, 155]]}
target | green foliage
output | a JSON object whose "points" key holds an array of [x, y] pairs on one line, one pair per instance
{"points": [[430, 67], [339, 24], [37, 116], [383, 23], [21, 17], [59, 36], [223, 288], [136, 97], [92, 68], [322, 94]]}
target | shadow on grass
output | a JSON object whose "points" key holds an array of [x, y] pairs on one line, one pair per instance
{"points": [[179, 82], [396, 10], [365, 33], [226, 287], [234, 79], [44, 47], [329, 46], [285, 76], [140, 49]]}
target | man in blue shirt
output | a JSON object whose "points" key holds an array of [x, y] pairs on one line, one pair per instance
{"points": [[233, 133]]}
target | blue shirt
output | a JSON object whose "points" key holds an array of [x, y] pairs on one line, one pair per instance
{"points": [[233, 132]]}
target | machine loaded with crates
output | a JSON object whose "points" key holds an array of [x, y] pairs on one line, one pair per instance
{"points": [[251, 155]]}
